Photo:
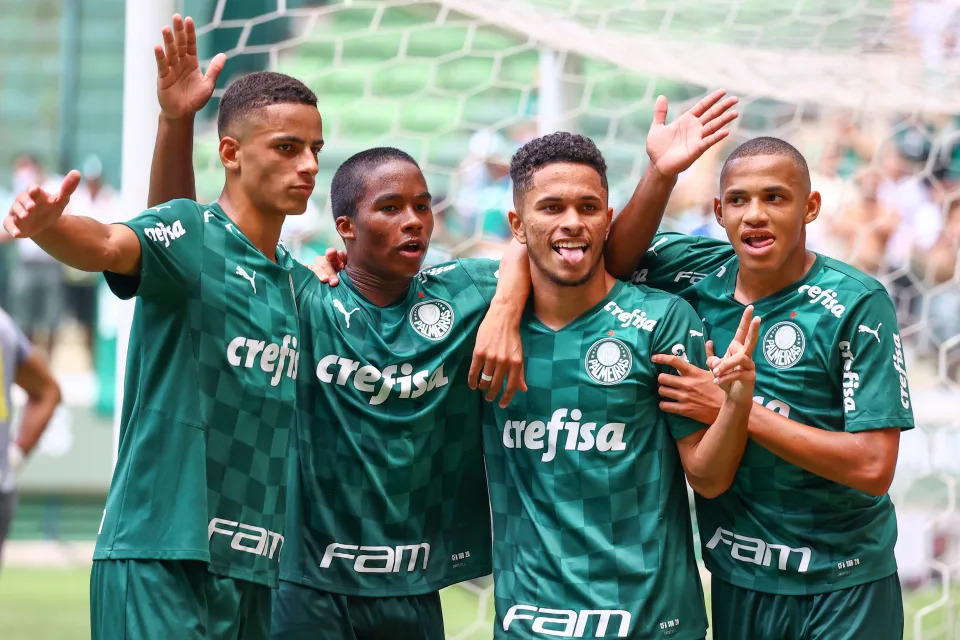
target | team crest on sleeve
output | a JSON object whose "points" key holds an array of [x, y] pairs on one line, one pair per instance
{"points": [[783, 345], [608, 361], [432, 319]]}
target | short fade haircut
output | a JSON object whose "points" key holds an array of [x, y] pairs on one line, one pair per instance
{"points": [[766, 146], [551, 149], [258, 90], [349, 182]]}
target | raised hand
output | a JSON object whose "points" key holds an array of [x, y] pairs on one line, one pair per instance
{"points": [[35, 210], [674, 147], [181, 87], [327, 266], [736, 372]]}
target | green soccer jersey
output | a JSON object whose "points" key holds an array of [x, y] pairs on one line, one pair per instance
{"points": [[592, 534], [388, 494], [208, 406], [830, 356]]}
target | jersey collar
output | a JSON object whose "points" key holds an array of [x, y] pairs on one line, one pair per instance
{"points": [[531, 317], [733, 268]]}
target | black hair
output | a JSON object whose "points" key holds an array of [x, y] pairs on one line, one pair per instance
{"points": [[766, 146], [349, 181], [550, 149], [257, 90]]}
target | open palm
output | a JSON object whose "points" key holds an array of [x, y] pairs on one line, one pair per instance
{"points": [[674, 147], [181, 87]]}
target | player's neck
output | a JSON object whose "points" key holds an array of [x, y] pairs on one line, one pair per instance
{"points": [[557, 305], [754, 285], [259, 228], [377, 289]]}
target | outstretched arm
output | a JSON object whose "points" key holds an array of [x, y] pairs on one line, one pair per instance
{"points": [[77, 241], [672, 148], [182, 90], [711, 456]]}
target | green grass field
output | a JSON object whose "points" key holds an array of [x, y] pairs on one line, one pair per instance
{"points": [[51, 604]]}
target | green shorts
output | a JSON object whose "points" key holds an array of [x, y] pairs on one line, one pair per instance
{"points": [[174, 599], [873, 610], [304, 613]]}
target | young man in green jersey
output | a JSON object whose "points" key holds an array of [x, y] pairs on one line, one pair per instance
{"points": [[801, 546], [592, 534], [190, 540], [389, 503]]}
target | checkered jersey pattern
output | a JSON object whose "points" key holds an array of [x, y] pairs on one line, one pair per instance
{"points": [[209, 402], [589, 501], [830, 356], [389, 495]]}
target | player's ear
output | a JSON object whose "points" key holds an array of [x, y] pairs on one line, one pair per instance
{"points": [[346, 228], [718, 211], [813, 207], [606, 236], [516, 225], [230, 153]]}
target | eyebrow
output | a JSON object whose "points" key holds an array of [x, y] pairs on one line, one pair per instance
{"points": [[771, 189], [396, 196], [288, 138], [558, 199]]}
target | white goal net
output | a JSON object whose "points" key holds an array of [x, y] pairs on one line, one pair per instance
{"points": [[867, 89]]}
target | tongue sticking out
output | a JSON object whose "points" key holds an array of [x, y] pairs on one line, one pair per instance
{"points": [[571, 256], [760, 242]]}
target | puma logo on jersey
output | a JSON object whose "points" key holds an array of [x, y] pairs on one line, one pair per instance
{"points": [[520, 434], [653, 248], [272, 357], [246, 537], [165, 234], [569, 623], [346, 316], [695, 334], [335, 369], [874, 332], [378, 559], [248, 277], [756, 551], [826, 297]]}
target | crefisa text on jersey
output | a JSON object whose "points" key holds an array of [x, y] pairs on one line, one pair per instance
{"points": [[272, 359], [826, 297]]}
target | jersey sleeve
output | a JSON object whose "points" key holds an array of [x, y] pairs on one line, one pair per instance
{"points": [[869, 361], [681, 333], [484, 273], [171, 246], [675, 261]]}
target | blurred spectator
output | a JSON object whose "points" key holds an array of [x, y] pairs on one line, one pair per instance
{"points": [[905, 191], [37, 279], [22, 366], [936, 26], [98, 200], [863, 225], [485, 194]]}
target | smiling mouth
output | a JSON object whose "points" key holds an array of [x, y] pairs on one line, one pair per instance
{"points": [[571, 251]]}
